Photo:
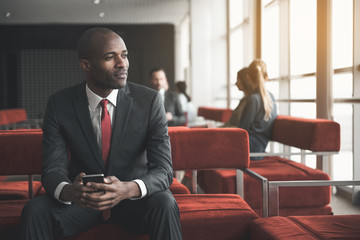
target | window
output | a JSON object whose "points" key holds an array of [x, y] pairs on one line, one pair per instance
{"points": [[239, 41], [342, 61], [289, 47]]}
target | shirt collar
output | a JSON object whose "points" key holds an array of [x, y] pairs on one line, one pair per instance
{"points": [[95, 99]]}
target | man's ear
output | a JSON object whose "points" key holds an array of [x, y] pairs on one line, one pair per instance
{"points": [[85, 65]]}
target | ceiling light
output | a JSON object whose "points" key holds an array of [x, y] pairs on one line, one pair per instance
{"points": [[8, 14], [102, 14], [96, 1]]}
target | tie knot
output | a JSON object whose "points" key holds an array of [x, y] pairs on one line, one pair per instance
{"points": [[103, 103]]}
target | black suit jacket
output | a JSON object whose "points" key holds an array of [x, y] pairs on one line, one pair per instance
{"points": [[140, 146], [172, 104]]}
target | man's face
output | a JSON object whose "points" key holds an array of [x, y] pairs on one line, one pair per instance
{"points": [[108, 66], [158, 80]]}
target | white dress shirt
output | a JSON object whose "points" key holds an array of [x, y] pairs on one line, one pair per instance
{"points": [[95, 115]]}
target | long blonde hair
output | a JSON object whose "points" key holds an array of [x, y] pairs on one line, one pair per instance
{"points": [[257, 75]]}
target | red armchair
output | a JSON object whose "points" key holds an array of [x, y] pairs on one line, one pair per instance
{"points": [[212, 216], [317, 135], [202, 216]]}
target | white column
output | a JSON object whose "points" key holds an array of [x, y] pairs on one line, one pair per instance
{"points": [[208, 52]]}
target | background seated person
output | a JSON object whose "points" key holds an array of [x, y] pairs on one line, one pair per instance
{"points": [[185, 101], [256, 111], [174, 112]]}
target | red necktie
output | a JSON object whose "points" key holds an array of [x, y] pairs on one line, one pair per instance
{"points": [[105, 130], [105, 141]]}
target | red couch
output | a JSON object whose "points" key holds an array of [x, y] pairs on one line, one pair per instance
{"points": [[21, 155], [202, 216], [316, 135]]}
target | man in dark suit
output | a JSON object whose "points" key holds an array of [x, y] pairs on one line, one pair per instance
{"points": [[136, 162], [174, 113]]}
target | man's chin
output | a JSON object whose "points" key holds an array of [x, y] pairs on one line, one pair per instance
{"points": [[120, 84]]}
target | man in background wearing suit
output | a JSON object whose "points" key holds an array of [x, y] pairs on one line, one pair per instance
{"points": [[135, 157], [174, 113]]}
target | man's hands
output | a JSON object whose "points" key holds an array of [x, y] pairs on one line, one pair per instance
{"points": [[112, 192], [169, 116]]}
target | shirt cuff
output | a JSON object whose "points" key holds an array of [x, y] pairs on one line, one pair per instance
{"points": [[58, 190], [143, 190]]}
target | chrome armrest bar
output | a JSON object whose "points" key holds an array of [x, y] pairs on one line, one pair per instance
{"points": [[264, 188], [259, 154], [30, 187], [240, 182], [273, 197], [194, 182]]}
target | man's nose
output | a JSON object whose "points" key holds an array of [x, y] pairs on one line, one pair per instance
{"points": [[119, 62]]}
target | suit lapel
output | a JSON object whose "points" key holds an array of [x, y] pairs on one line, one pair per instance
{"points": [[122, 113], [81, 106]]}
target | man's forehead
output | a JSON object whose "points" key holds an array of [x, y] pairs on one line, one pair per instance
{"points": [[109, 42]]}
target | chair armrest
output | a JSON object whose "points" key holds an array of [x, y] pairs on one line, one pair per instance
{"points": [[270, 189]]}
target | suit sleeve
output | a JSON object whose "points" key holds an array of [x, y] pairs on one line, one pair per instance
{"points": [[55, 154], [160, 174]]}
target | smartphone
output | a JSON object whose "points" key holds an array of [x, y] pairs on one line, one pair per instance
{"points": [[98, 178]]}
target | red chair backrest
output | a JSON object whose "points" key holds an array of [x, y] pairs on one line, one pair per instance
{"points": [[310, 134], [197, 148], [20, 152]]}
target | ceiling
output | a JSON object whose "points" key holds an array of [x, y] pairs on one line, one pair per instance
{"points": [[93, 11]]}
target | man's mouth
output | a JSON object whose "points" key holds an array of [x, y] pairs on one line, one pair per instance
{"points": [[121, 74]]}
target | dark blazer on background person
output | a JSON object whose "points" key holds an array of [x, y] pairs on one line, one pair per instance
{"points": [[172, 104], [140, 146]]}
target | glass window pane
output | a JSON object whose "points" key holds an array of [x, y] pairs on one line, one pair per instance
{"points": [[342, 33], [303, 88], [273, 87], [270, 40], [236, 53], [302, 36], [342, 85], [304, 110], [236, 12], [342, 164]]}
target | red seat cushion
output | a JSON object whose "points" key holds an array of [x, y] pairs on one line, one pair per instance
{"points": [[307, 227], [331, 227], [178, 188], [272, 168], [10, 216], [17, 189], [214, 216]]}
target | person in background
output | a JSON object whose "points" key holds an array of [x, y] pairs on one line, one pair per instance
{"points": [[256, 111], [174, 113], [104, 125], [185, 101]]}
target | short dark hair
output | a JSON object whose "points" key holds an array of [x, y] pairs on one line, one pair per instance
{"points": [[85, 41], [156, 69]]}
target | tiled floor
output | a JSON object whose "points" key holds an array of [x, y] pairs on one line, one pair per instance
{"points": [[342, 205]]}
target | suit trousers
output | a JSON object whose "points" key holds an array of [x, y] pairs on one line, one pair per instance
{"points": [[157, 215]]}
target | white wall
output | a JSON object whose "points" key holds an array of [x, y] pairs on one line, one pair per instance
{"points": [[208, 52]]}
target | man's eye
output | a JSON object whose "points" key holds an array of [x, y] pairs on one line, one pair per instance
{"points": [[124, 56], [108, 58]]}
